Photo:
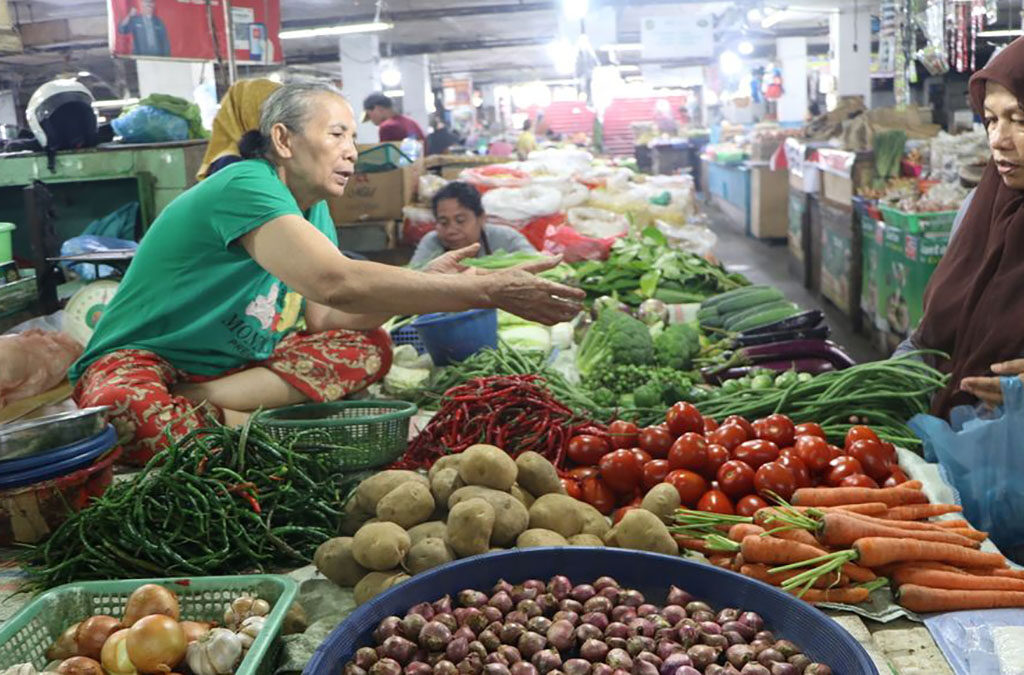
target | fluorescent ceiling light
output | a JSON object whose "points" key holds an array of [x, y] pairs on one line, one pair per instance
{"points": [[629, 68], [84, 73], [372, 27], [1016, 32], [394, 93], [745, 47], [730, 63], [754, 15], [390, 76], [575, 9], [113, 103], [622, 47]]}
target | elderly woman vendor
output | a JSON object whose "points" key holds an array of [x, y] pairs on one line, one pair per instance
{"points": [[205, 320]]}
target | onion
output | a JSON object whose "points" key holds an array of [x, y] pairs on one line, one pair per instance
{"points": [[93, 632], [65, 646], [80, 665], [365, 657], [445, 667], [114, 655], [156, 643], [195, 629], [150, 599], [472, 598], [444, 605]]}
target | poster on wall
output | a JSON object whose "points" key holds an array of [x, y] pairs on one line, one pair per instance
{"points": [[180, 29], [686, 35]]}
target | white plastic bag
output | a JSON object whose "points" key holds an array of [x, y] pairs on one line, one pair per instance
{"points": [[563, 157], [597, 223], [522, 204], [430, 185], [693, 238]]}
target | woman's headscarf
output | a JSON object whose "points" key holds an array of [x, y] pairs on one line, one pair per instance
{"points": [[239, 112], [974, 303]]}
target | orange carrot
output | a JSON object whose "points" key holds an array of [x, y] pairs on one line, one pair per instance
{"points": [[889, 570], [867, 508], [698, 545], [923, 599], [761, 573], [740, 530], [1009, 573], [878, 551], [851, 595], [801, 536], [921, 511], [976, 535], [769, 550], [841, 529], [901, 524], [721, 560], [954, 523], [858, 573], [954, 580], [834, 496]]}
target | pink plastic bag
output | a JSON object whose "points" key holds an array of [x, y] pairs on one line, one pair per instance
{"points": [[575, 246], [33, 362]]}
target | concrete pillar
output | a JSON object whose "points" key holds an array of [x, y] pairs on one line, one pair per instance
{"points": [[792, 54], [417, 99], [849, 36], [360, 76]]}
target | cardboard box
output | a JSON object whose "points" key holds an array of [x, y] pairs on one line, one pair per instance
{"points": [[842, 172], [922, 253], [872, 238], [804, 173], [768, 203], [368, 237], [840, 259], [377, 196]]}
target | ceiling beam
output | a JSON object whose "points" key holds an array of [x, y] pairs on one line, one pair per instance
{"points": [[430, 48], [426, 14]]}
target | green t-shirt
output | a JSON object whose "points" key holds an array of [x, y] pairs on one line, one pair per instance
{"points": [[192, 294]]}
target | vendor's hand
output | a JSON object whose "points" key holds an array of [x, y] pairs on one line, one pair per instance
{"points": [[451, 262], [989, 389], [519, 292]]}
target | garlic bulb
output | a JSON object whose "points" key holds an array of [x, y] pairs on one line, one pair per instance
{"points": [[250, 630], [241, 608], [216, 653], [20, 669]]}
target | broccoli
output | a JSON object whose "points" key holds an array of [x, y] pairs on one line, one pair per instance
{"points": [[615, 338], [603, 396], [676, 346], [648, 395]]}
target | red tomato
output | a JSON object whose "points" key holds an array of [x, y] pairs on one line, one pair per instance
{"points": [[690, 451], [859, 433], [690, 486], [834, 451], [656, 441], [572, 488], [643, 456], [581, 472], [654, 473], [800, 472], [717, 456], [587, 449], [756, 453], [617, 516], [716, 501], [813, 451], [841, 467], [897, 477], [621, 470], [742, 423], [684, 418], [890, 452], [858, 480], [623, 435], [809, 429], [728, 436], [775, 428], [774, 478], [750, 505], [872, 456], [736, 478], [710, 424], [597, 493]]}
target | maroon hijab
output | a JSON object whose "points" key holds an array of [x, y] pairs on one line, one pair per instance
{"points": [[974, 303]]}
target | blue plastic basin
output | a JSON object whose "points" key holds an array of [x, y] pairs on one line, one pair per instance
{"points": [[820, 637], [452, 337]]}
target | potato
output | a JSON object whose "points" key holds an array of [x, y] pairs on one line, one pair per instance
{"points": [[662, 500], [353, 517], [431, 528], [642, 530], [373, 488], [522, 495], [537, 475], [585, 540], [470, 524], [611, 536], [487, 466], [380, 546], [594, 522], [427, 553], [446, 462], [334, 560], [407, 505], [444, 483], [540, 537], [510, 515], [378, 582], [558, 513]]}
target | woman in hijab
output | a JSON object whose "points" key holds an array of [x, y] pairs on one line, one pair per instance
{"points": [[975, 300], [239, 112]]}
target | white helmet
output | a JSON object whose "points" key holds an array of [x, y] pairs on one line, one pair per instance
{"points": [[61, 117]]}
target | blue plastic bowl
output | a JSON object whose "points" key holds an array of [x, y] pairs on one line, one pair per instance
{"points": [[453, 337], [59, 462], [820, 637]]}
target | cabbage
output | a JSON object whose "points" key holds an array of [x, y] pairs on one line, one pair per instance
{"points": [[400, 379], [533, 337]]}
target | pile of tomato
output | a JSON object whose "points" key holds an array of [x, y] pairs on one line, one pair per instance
{"points": [[732, 467]]}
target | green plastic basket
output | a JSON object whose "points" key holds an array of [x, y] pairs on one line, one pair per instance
{"points": [[918, 223], [29, 633], [367, 434]]}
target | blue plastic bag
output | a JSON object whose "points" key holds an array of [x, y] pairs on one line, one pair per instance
{"points": [[981, 454], [146, 124], [91, 243]]}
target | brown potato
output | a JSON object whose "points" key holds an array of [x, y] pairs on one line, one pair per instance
{"points": [[642, 530], [444, 483], [537, 475], [334, 560], [585, 540], [662, 500], [487, 466], [431, 528], [378, 582], [558, 513], [380, 546], [510, 515], [407, 505], [371, 490], [470, 524], [540, 537], [428, 553]]}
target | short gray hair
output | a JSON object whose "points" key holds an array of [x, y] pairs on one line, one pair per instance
{"points": [[291, 105]]}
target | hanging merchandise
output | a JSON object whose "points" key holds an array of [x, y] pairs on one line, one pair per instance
{"points": [[887, 37], [773, 89], [902, 63]]}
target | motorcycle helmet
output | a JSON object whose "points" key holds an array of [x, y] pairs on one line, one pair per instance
{"points": [[61, 116]]}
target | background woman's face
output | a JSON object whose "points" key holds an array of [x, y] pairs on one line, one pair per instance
{"points": [[1004, 122], [457, 226]]}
